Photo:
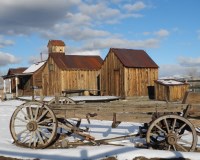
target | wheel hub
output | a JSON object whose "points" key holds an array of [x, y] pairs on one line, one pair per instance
{"points": [[31, 126], [171, 138]]}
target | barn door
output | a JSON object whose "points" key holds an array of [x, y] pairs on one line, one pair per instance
{"points": [[116, 83]]}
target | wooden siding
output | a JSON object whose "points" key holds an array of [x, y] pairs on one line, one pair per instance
{"points": [[170, 92], [51, 79], [137, 80], [56, 80], [79, 79], [110, 65], [132, 81], [37, 77]]}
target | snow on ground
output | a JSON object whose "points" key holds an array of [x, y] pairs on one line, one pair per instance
{"points": [[98, 129]]}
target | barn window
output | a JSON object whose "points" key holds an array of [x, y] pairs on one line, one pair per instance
{"points": [[51, 67]]}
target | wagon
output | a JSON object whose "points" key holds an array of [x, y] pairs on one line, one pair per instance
{"points": [[167, 126]]}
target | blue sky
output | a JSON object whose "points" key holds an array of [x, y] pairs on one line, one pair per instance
{"points": [[168, 30]]}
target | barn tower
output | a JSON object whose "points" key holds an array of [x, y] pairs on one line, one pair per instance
{"points": [[56, 46]]}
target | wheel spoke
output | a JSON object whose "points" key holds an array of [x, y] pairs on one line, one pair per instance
{"points": [[174, 147], [45, 134], [184, 141], [24, 138], [184, 134], [160, 129], [25, 115], [47, 127], [166, 124], [169, 148], [35, 139], [181, 127], [183, 148], [36, 113], [49, 120], [19, 125], [20, 133], [31, 113], [173, 126], [22, 120], [39, 136], [45, 112], [30, 140]]}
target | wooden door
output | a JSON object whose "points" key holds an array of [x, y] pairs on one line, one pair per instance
{"points": [[116, 83]]}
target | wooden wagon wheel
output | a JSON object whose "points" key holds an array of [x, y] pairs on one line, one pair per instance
{"points": [[33, 125], [198, 130], [171, 132], [61, 100]]}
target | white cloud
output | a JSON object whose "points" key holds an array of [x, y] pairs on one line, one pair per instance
{"points": [[78, 18], [189, 61], [162, 33], [135, 7], [121, 43], [4, 42], [90, 52], [7, 58], [26, 16], [186, 66]]}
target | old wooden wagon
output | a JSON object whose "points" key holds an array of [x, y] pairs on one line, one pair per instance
{"points": [[166, 126]]}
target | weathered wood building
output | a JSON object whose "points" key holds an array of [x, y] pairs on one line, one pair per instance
{"points": [[13, 82], [127, 73], [170, 90], [21, 81], [69, 72], [33, 82]]}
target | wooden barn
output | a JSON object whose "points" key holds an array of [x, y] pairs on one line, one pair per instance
{"points": [[68, 73], [170, 90], [127, 73]]}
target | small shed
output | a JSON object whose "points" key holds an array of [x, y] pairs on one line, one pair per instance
{"points": [[127, 73], [170, 90]]}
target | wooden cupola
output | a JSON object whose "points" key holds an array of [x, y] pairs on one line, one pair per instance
{"points": [[56, 46]]}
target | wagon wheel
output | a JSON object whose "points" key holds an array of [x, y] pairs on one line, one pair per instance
{"points": [[33, 125], [61, 100], [172, 132], [198, 130]]}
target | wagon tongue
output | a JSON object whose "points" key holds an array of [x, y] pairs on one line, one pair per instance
{"points": [[87, 137]]}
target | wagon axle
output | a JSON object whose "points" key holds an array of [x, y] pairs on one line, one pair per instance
{"points": [[32, 126]]}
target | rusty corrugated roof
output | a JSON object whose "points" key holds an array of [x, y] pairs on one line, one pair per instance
{"points": [[13, 71], [80, 62], [134, 58], [56, 43]]}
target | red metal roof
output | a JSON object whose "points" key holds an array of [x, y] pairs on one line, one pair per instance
{"points": [[134, 58], [56, 43], [13, 71], [80, 62]]}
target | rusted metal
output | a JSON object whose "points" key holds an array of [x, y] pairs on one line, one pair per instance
{"points": [[134, 58], [56, 43], [75, 62]]}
